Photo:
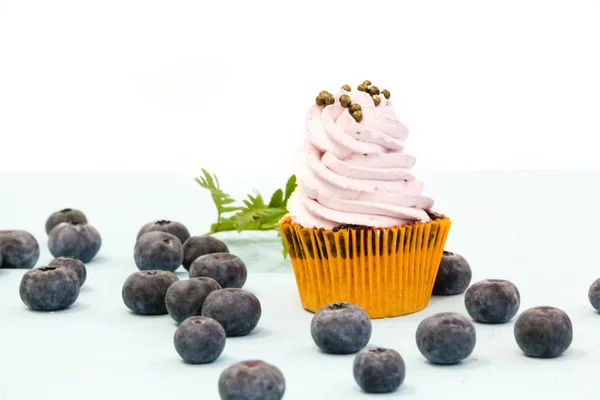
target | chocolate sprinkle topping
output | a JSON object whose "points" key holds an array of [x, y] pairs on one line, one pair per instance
{"points": [[433, 215], [349, 226]]}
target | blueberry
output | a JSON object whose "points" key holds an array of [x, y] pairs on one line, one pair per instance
{"points": [[593, 294], [211, 282], [19, 249], [251, 380], [185, 298], [158, 250], [492, 301], [454, 275], [66, 215], [49, 288], [227, 269], [199, 340], [174, 228], [144, 291], [71, 239], [237, 310], [76, 265], [543, 332], [446, 338], [197, 246], [379, 370], [341, 328]]}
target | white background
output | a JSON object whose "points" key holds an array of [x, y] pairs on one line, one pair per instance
{"points": [[179, 85]]}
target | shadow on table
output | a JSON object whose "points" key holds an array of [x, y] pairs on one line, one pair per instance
{"points": [[472, 362], [224, 359], [403, 390], [73, 309], [260, 253], [258, 333]]}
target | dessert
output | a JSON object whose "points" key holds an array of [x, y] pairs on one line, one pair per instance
{"points": [[359, 229]]}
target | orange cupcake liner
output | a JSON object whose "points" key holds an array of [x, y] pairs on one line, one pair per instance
{"points": [[387, 271]]}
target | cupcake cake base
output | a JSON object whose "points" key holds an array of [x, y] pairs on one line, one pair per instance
{"points": [[389, 272]]}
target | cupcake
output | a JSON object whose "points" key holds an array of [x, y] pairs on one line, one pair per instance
{"points": [[359, 228]]}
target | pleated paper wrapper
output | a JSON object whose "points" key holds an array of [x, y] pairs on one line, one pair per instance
{"points": [[387, 271]]}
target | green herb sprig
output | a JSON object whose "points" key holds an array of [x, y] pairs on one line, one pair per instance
{"points": [[253, 215]]}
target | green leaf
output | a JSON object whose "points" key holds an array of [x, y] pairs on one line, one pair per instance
{"points": [[257, 201], [220, 198], [269, 226], [245, 218], [225, 224], [254, 214], [273, 214], [259, 218], [276, 199], [284, 250], [253, 202], [290, 186]]}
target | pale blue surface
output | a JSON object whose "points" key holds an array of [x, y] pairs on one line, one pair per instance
{"points": [[544, 238]]}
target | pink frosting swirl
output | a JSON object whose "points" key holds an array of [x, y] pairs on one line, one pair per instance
{"points": [[356, 173]]}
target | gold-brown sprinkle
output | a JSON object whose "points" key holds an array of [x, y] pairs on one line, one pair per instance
{"points": [[373, 90], [345, 101], [325, 98], [367, 83], [376, 100], [386, 93], [347, 88], [355, 107], [357, 115], [329, 100], [362, 87]]}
